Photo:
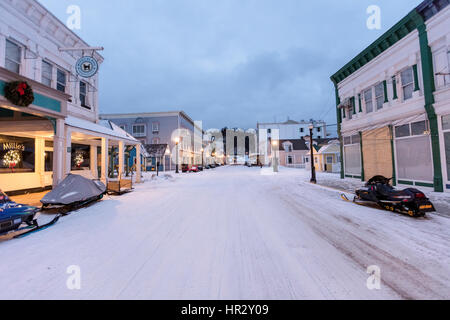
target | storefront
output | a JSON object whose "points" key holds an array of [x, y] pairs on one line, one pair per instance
{"points": [[413, 154], [377, 151], [352, 156]]}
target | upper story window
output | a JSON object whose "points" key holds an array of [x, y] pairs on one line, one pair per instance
{"points": [[47, 73], [156, 141], [412, 129], [155, 127], [123, 127], [139, 130], [379, 95], [319, 129], [407, 78], [61, 80], [355, 139], [302, 130], [368, 100], [13, 56], [288, 147], [83, 95]]}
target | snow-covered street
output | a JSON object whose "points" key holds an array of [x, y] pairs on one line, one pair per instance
{"points": [[231, 233]]}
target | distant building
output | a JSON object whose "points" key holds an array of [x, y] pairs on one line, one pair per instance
{"points": [[327, 156], [293, 152], [156, 129], [295, 129]]}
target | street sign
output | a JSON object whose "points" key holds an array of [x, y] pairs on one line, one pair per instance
{"points": [[86, 67]]}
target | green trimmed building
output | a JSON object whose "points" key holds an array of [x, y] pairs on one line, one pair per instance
{"points": [[393, 103]]}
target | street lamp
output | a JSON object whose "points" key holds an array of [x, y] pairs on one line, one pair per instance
{"points": [[313, 168], [177, 142], [274, 155]]}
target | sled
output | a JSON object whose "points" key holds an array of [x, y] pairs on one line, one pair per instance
{"points": [[120, 186]]}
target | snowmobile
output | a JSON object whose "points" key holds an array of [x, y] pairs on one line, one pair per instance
{"points": [[378, 191], [17, 217], [73, 193]]}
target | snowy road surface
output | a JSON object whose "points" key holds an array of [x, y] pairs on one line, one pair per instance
{"points": [[231, 233]]}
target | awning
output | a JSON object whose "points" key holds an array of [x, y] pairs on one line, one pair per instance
{"points": [[104, 127]]}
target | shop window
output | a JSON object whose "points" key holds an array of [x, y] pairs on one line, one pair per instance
{"points": [[379, 95], [414, 161], [368, 100], [61, 80], [47, 73], [407, 78], [81, 155], [419, 128], [13, 56], [352, 157], [17, 155]]}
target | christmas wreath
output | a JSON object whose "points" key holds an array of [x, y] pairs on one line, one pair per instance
{"points": [[12, 159], [19, 93]]}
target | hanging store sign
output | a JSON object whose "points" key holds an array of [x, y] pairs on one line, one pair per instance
{"points": [[86, 67]]}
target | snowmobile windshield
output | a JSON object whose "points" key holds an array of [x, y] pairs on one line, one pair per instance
{"points": [[3, 197]]}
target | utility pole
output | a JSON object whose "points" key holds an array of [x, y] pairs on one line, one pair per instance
{"points": [[313, 167]]}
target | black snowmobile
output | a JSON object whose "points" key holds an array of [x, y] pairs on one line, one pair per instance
{"points": [[378, 191]]}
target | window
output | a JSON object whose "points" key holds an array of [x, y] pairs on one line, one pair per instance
{"points": [[287, 147], [139, 130], [446, 122], [414, 160], [329, 159], [290, 160], [48, 161], [302, 130], [352, 155], [319, 129], [156, 141], [80, 157], [407, 83], [368, 100], [155, 127], [412, 129], [16, 154], [269, 130], [13, 56], [379, 95], [47, 73], [123, 127], [61, 80], [83, 93]]}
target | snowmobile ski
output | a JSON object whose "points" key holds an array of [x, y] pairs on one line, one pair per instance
{"points": [[35, 227]]}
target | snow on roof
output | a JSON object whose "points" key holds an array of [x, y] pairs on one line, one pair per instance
{"points": [[104, 126]]}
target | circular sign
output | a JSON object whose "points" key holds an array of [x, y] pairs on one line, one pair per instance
{"points": [[86, 67]]}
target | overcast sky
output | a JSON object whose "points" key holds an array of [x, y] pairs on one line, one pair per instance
{"points": [[226, 62]]}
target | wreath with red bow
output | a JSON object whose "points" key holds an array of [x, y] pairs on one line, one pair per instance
{"points": [[19, 93]]}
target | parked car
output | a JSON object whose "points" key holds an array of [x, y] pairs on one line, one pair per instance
{"points": [[207, 167], [213, 166], [200, 168], [184, 168], [193, 169]]}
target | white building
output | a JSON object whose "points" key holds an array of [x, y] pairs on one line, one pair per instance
{"points": [[394, 102], [293, 130], [59, 132]]}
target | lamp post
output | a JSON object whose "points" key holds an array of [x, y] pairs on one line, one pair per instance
{"points": [[274, 155], [313, 168], [177, 142]]}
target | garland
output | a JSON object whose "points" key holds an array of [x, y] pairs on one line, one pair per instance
{"points": [[19, 93]]}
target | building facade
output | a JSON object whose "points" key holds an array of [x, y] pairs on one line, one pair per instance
{"points": [[295, 130], [59, 132], [292, 153], [393, 102], [154, 129]]}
